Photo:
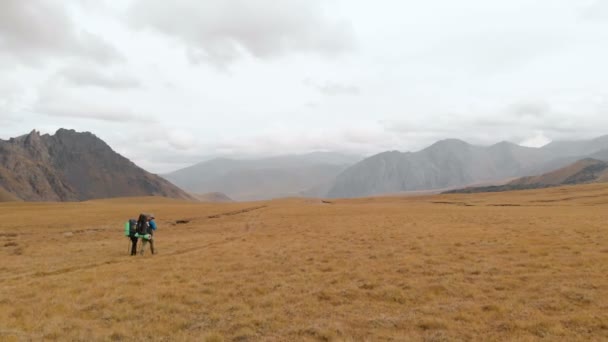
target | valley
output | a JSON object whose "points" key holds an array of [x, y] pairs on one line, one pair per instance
{"points": [[500, 266]]}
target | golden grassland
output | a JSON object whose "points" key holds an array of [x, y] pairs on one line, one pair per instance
{"points": [[506, 266]]}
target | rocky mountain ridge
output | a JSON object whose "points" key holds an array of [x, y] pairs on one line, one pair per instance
{"points": [[454, 163], [73, 166]]}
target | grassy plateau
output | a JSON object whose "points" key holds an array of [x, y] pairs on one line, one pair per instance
{"points": [[517, 266]]}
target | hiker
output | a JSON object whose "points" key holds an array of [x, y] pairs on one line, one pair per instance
{"points": [[145, 229], [152, 224], [131, 233]]}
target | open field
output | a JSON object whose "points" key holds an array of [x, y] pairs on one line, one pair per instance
{"points": [[503, 266]]}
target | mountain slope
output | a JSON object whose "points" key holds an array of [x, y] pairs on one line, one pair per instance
{"points": [[285, 176], [6, 196], [577, 148], [581, 172], [445, 164], [214, 197], [454, 163], [71, 166]]}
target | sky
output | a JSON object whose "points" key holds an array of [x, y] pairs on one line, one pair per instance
{"points": [[172, 83]]}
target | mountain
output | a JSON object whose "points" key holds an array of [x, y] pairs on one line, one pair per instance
{"points": [[72, 166], [454, 163], [215, 197], [577, 148], [445, 164], [284, 176], [581, 172], [6, 196], [601, 155]]}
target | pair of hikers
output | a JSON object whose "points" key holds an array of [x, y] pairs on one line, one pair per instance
{"points": [[143, 228]]}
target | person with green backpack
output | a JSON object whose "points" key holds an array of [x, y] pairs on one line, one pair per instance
{"points": [[145, 230], [131, 233]]}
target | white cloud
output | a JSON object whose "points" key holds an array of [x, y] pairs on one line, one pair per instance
{"points": [[34, 31], [92, 112], [538, 140], [522, 109], [58, 104], [81, 76], [598, 10], [408, 74], [181, 139], [333, 88], [223, 31]]}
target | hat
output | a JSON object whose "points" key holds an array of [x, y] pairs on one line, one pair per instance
{"points": [[151, 216]]}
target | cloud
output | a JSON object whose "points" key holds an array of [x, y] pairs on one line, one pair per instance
{"points": [[531, 122], [33, 31], [79, 76], [333, 88], [8, 96], [221, 32], [57, 104], [181, 139], [356, 138], [536, 109], [597, 11], [94, 112], [538, 140]]}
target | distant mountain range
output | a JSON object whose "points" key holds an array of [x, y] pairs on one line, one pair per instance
{"points": [[72, 166], [285, 176], [213, 197], [584, 171], [455, 163]]}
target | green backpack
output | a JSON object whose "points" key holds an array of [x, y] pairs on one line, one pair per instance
{"points": [[131, 228]]}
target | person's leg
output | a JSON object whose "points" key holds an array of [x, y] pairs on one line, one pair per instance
{"points": [[133, 246], [152, 245], [143, 246]]}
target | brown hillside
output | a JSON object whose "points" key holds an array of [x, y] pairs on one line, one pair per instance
{"points": [[5, 196], [71, 166], [582, 172], [561, 176]]}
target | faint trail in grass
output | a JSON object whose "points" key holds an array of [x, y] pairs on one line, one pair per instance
{"points": [[464, 204], [196, 248], [41, 274], [566, 199], [220, 215], [60, 271], [237, 212], [70, 269]]}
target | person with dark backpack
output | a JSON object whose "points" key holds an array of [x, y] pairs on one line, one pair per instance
{"points": [[153, 227], [145, 233], [131, 233]]}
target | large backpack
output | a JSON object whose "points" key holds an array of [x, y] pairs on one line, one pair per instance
{"points": [[131, 227], [143, 228]]}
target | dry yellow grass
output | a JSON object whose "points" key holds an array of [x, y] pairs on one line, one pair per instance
{"points": [[511, 266]]}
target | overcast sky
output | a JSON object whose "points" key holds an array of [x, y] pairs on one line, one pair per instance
{"points": [[169, 83]]}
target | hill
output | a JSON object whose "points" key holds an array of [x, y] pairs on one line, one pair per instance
{"points": [[214, 197], [259, 179], [445, 164], [6, 196], [72, 166], [581, 172], [455, 163]]}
